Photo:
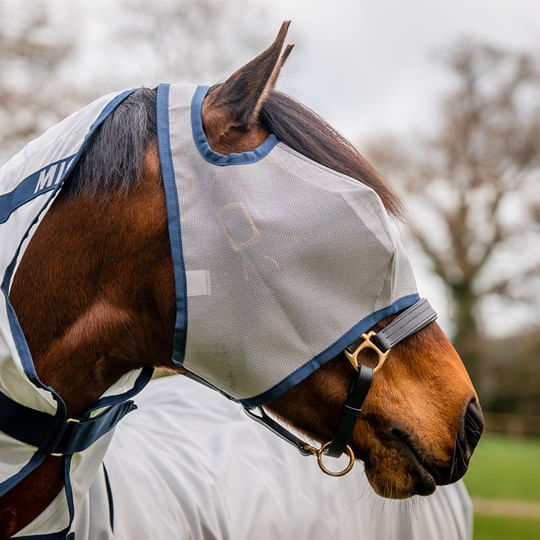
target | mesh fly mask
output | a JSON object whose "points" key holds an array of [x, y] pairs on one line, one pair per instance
{"points": [[280, 264]]}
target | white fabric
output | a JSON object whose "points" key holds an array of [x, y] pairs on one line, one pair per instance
{"points": [[287, 262], [189, 464]]}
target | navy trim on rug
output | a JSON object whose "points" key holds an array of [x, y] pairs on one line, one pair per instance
{"points": [[26, 358], [331, 352], [43, 180], [18, 336], [63, 534], [201, 142], [35, 461], [173, 217], [140, 382]]}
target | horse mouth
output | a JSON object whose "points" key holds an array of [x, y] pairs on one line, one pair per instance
{"points": [[398, 469], [425, 477]]}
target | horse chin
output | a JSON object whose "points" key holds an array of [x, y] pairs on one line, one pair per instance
{"points": [[398, 473]]}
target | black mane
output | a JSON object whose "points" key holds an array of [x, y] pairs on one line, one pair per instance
{"points": [[114, 155], [307, 133]]}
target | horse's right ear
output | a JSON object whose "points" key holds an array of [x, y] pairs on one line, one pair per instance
{"points": [[238, 100]]}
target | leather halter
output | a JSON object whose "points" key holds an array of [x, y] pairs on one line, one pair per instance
{"points": [[404, 325]]}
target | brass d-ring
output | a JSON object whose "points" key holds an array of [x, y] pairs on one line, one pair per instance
{"points": [[320, 453]]}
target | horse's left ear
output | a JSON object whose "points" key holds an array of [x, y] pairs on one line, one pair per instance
{"points": [[239, 99]]}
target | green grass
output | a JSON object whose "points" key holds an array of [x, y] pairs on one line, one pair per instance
{"points": [[503, 468], [502, 528], [507, 469]]}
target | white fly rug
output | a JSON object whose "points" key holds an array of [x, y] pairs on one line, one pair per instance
{"points": [[190, 465]]}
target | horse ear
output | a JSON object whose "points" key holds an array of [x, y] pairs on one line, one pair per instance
{"points": [[241, 96]]}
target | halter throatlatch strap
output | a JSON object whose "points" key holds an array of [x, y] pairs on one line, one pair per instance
{"points": [[268, 422], [53, 435]]}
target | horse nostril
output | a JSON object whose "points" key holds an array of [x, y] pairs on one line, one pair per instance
{"points": [[469, 433], [472, 425]]}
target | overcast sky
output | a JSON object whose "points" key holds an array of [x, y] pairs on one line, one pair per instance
{"points": [[369, 65]]}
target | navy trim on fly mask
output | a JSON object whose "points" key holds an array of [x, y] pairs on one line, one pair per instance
{"points": [[331, 352], [173, 218], [201, 142]]}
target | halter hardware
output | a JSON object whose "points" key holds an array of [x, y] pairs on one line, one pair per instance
{"points": [[367, 344], [319, 452], [68, 421]]}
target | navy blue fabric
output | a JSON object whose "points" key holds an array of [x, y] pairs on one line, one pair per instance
{"points": [[52, 176], [18, 336], [307, 369], [173, 216], [46, 179], [26, 357], [69, 491], [142, 380], [50, 179], [52, 434], [62, 535], [201, 142]]}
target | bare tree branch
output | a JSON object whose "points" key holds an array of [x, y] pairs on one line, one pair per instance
{"points": [[476, 177]]}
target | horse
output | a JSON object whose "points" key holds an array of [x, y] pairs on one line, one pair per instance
{"points": [[95, 297]]}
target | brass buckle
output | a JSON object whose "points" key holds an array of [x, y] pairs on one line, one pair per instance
{"points": [[319, 452], [367, 344], [68, 421]]}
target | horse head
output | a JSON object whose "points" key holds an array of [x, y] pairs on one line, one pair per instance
{"points": [[421, 419]]}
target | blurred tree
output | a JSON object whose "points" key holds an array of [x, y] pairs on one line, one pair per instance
{"points": [[193, 40], [56, 56], [474, 193], [32, 53]]}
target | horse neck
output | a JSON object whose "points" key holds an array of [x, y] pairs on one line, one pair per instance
{"points": [[94, 292], [94, 295]]}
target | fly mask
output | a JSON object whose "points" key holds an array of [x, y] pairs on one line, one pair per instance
{"points": [[280, 264]]}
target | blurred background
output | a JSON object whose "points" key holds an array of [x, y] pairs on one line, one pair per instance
{"points": [[443, 98]]}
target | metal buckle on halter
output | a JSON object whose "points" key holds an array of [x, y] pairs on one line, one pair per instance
{"points": [[413, 319], [367, 344]]}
